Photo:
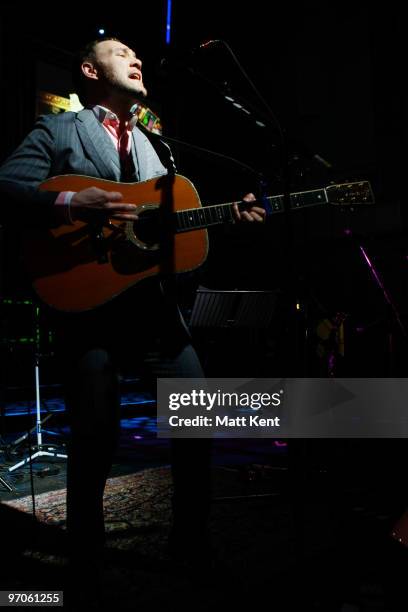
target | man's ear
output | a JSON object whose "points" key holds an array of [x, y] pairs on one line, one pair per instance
{"points": [[89, 70]]}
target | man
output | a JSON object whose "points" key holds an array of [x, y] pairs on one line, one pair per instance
{"points": [[143, 327]]}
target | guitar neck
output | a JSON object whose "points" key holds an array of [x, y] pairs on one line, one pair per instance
{"points": [[200, 218]]}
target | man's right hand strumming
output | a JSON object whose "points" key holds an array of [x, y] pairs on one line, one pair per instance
{"points": [[87, 204]]}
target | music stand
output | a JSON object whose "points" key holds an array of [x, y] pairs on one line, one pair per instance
{"points": [[241, 317], [228, 309]]}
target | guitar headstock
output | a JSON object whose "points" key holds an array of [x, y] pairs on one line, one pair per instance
{"points": [[348, 194]]}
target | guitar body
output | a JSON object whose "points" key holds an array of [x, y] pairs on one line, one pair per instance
{"points": [[78, 267]]}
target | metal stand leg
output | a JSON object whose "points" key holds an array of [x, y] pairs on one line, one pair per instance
{"points": [[5, 484], [40, 449]]}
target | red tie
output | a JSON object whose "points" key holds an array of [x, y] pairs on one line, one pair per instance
{"points": [[125, 154]]}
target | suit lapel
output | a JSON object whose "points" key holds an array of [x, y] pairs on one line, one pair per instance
{"points": [[139, 154], [95, 143]]}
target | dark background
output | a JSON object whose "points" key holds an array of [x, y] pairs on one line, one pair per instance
{"points": [[333, 74]]}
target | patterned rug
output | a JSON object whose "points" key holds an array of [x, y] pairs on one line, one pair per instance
{"points": [[131, 501], [253, 535]]}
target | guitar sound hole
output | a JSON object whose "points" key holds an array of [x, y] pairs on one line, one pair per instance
{"points": [[147, 227]]}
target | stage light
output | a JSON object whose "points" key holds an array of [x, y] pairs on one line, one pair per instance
{"points": [[101, 31], [168, 22]]}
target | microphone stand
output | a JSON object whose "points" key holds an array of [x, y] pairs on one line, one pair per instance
{"points": [[198, 149], [40, 449], [266, 120], [393, 316], [297, 449]]}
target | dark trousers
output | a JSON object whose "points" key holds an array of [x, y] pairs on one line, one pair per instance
{"points": [[148, 338]]}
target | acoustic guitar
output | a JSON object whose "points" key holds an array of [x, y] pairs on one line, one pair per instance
{"points": [[78, 267]]}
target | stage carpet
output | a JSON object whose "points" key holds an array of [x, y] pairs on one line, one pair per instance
{"points": [[263, 548]]}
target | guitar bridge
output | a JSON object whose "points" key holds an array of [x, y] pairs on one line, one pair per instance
{"points": [[99, 244]]}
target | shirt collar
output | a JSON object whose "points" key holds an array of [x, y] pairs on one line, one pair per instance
{"points": [[107, 117]]}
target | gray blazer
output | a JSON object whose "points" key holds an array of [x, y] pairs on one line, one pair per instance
{"points": [[70, 143]]}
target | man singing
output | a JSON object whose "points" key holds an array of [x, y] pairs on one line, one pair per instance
{"points": [[142, 328]]}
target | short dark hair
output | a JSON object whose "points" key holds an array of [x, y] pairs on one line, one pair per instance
{"points": [[87, 53]]}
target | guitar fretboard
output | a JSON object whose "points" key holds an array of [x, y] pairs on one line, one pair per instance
{"points": [[200, 218], [301, 199]]}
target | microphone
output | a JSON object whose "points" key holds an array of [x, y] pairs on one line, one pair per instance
{"points": [[183, 59], [323, 161], [208, 43]]}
